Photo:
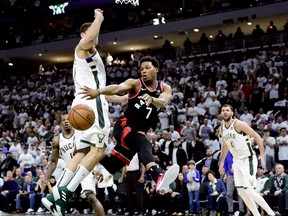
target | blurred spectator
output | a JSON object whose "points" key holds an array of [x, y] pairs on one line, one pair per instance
{"points": [[209, 161], [174, 134], [204, 130], [167, 49], [26, 160], [177, 154], [257, 96], [276, 188], [179, 196], [269, 144], [19, 178], [238, 34], [257, 32], [9, 164], [39, 157], [22, 199], [160, 157], [192, 180], [15, 148], [271, 29], [216, 195], [8, 194], [212, 143], [246, 116], [109, 59], [42, 188], [220, 37], [189, 132], [187, 46], [135, 183], [282, 144]]}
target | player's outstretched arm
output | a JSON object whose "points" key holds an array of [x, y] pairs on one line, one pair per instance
{"points": [[117, 98], [54, 158], [91, 37], [128, 86]]}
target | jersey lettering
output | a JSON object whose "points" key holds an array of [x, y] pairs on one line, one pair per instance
{"points": [[138, 106], [143, 116], [67, 147]]}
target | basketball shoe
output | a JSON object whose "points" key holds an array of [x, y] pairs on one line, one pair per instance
{"points": [[166, 178], [61, 197], [49, 204]]}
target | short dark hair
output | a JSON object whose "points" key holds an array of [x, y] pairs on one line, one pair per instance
{"points": [[212, 172], [228, 105], [85, 26], [151, 59]]}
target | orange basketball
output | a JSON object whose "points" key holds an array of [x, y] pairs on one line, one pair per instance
{"points": [[81, 117]]}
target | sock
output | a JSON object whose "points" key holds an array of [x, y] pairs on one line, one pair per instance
{"points": [[260, 201], [154, 172], [65, 178], [250, 203], [80, 173]]}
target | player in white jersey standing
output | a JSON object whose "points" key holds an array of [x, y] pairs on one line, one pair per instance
{"points": [[236, 136], [64, 145], [88, 70]]}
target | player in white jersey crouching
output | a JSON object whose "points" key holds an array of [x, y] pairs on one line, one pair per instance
{"points": [[236, 136], [64, 145]]}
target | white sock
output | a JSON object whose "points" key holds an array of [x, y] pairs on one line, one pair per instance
{"points": [[65, 178], [260, 201], [80, 173], [250, 203]]}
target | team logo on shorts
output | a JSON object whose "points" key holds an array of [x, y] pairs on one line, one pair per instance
{"points": [[101, 137]]}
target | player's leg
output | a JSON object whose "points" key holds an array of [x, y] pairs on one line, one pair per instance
{"points": [[64, 179], [89, 191], [96, 204], [94, 139], [64, 193], [245, 181], [71, 167], [138, 142]]}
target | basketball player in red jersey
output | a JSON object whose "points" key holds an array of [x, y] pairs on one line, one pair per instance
{"points": [[145, 96]]}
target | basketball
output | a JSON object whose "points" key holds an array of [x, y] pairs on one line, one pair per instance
{"points": [[81, 117]]}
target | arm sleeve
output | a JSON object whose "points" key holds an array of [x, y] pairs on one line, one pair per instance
{"points": [[197, 177]]}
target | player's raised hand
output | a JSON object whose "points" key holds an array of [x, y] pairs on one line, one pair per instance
{"points": [[98, 13], [89, 93]]}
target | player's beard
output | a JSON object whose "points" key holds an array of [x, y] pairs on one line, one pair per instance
{"points": [[228, 118]]}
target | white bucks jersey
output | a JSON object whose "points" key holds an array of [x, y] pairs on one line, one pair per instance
{"points": [[67, 147], [88, 72], [239, 144]]}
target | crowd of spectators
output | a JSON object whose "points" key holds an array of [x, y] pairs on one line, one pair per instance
{"points": [[31, 22], [254, 83]]}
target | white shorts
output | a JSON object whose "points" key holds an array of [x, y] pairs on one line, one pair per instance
{"points": [[88, 185], [97, 134], [245, 172]]}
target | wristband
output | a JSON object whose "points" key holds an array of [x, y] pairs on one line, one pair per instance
{"points": [[98, 91]]}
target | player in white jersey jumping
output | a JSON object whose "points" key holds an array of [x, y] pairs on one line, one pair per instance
{"points": [[64, 145], [88, 70], [236, 136]]}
